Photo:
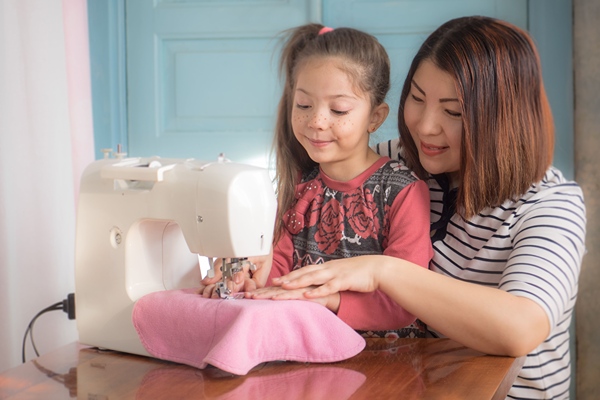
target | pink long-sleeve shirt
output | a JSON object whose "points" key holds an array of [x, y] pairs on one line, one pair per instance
{"points": [[384, 210]]}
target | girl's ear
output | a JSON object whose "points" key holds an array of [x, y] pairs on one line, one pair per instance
{"points": [[378, 116]]}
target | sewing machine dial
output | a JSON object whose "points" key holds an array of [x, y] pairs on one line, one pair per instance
{"points": [[116, 237]]}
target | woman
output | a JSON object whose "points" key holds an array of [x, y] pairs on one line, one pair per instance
{"points": [[508, 229]]}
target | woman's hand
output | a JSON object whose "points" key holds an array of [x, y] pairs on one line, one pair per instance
{"points": [[357, 273], [332, 302]]}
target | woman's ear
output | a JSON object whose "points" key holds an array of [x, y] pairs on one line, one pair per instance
{"points": [[378, 116]]}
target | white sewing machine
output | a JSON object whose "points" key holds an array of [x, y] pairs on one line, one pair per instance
{"points": [[142, 224]]}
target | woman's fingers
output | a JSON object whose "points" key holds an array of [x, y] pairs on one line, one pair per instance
{"points": [[304, 277], [357, 274]]}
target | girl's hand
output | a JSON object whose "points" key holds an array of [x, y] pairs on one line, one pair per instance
{"points": [[258, 277], [277, 293], [208, 285], [359, 274], [208, 291], [246, 280]]}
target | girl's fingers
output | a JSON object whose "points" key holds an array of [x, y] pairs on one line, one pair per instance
{"points": [[320, 291], [210, 281]]}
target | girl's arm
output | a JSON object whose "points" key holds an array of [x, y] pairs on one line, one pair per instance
{"points": [[281, 264], [408, 239]]}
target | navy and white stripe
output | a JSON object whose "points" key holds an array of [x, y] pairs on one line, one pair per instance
{"points": [[531, 247]]}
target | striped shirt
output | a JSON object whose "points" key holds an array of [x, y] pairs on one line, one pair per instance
{"points": [[532, 247]]}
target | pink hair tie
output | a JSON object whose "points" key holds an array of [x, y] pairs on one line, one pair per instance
{"points": [[325, 29]]}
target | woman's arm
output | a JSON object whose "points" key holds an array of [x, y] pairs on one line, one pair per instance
{"points": [[483, 318], [538, 284], [486, 319]]}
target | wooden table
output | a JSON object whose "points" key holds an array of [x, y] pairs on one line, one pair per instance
{"points": [[400, 369]]}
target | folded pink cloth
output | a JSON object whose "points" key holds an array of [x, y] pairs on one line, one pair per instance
{"points": [[236, 335]]}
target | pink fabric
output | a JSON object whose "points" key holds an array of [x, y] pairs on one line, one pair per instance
{"points": [[236, 335]]}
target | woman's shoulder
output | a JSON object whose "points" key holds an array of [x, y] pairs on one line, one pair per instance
{"points": [[390, 148], [555, 185], [554, 197]]}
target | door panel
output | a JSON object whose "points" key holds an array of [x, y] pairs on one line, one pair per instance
{"points": [[409, 16], [202, 76]]}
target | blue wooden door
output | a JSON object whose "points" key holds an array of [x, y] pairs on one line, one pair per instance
{"points": [[198, 77]]}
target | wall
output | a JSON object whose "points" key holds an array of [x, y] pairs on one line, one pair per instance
{"points": [[587, 149], [45, 142]]}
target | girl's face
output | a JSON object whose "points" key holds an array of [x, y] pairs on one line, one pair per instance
{"points": [[332, 118], [433, 116]]}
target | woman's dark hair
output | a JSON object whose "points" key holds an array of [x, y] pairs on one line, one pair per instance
{"points": [[508, 131]]}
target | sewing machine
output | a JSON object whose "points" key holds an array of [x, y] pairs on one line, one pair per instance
{"points": [[142, 224]]}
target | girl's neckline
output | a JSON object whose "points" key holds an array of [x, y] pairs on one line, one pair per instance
{"points": [[353, 183]]}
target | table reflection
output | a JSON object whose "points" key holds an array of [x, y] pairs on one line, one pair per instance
{"points": [[409, 369]]}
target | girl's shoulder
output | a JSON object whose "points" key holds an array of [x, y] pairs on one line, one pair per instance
{"points": [[310, 175], [394, 172], [392, 150]]}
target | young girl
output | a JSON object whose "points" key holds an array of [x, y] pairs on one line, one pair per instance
{"points": [[337, 197]]}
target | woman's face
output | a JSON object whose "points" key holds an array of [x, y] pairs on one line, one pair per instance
{"points": [[433, 116]]}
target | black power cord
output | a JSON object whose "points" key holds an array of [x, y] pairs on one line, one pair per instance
{"points": [[67, 305]]}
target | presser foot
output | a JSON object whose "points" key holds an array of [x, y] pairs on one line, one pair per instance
{"points": [[229, 269], [225, 293]]}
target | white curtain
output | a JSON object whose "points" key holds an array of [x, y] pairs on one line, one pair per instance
{"points": [[46, 139]]}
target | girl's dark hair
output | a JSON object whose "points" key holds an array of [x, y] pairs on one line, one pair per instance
{"points": [[508, 131], [368, 66]]}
